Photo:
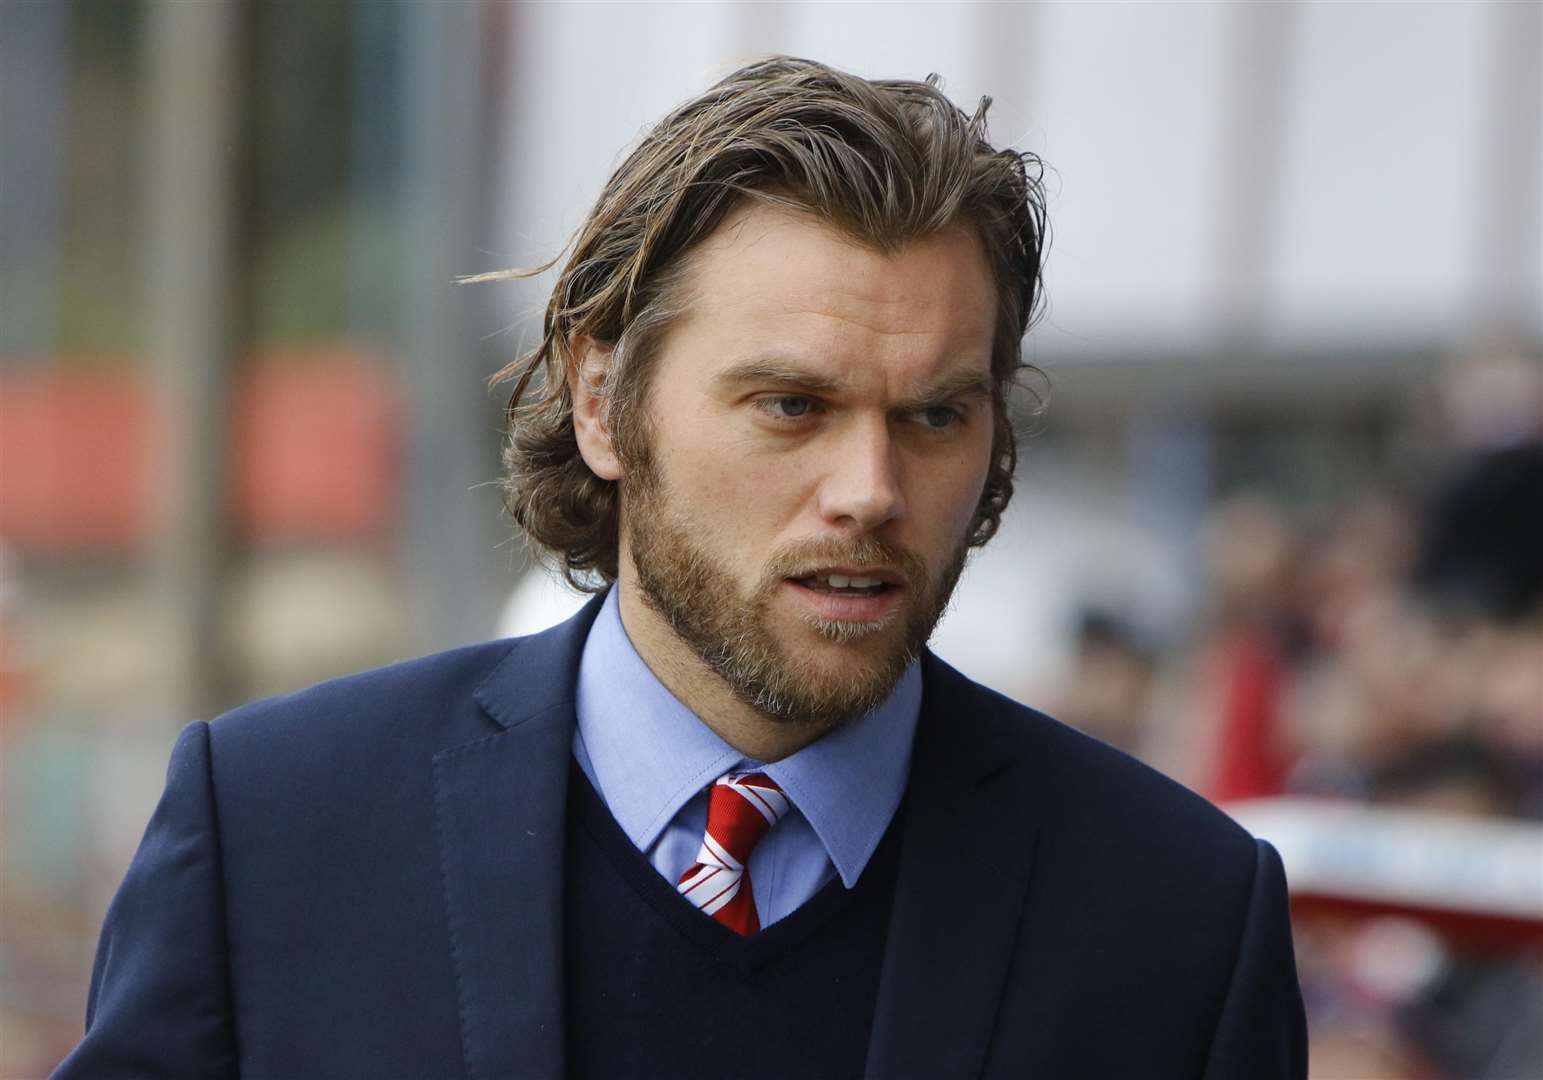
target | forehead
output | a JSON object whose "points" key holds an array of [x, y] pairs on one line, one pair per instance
{"points": [[771, 280]]}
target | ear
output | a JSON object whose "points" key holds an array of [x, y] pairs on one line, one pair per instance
{"points": [[589, 363]]}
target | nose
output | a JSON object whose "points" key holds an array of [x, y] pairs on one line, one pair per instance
{"points": [[861, 489]]}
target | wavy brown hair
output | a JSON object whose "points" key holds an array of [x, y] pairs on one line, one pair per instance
{"points": [[882, 161]]}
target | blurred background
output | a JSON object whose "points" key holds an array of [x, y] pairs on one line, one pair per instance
{"points": [[1280, 532]]}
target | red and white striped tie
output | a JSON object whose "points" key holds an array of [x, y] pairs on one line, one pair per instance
{"points": [[741, 808]]}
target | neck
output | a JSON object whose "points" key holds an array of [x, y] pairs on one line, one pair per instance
{"points": [[699, 687]]}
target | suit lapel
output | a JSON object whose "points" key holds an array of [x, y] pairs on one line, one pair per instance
{"points": [[965, 863], [501, 805]]}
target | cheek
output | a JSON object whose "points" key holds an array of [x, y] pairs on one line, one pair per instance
{"points": [[728, 478], [949, 487], [964, 505]]}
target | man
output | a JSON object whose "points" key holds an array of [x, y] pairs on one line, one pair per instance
{"points": [[731, 819]]}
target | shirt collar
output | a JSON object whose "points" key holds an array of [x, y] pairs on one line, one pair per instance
{"points": [[650, 754]]}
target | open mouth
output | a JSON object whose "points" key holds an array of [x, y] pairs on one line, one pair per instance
{"points": [[845, 585], [849, 595]]}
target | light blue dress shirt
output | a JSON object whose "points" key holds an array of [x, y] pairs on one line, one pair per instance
{"points": [[651, 760]]}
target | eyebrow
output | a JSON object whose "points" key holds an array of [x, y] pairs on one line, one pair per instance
{"points": [[777, 374], [951, 387], [955, 386]]}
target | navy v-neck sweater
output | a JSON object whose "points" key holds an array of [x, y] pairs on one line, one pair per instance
{"points": [[655, 988]]}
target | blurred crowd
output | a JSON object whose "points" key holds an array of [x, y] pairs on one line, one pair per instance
{"points": [[1390, 655], [1387, 650]]}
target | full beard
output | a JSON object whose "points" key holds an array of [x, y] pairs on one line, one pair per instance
{"points": [[703, 603]]}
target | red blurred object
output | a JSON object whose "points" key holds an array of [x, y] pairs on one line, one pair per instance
{"points": [[74, 460], [1480, 931], [1478, 881], [315, 449], [1249, 759], [314, 453]]}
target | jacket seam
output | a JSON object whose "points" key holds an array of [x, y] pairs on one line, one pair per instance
{"points": [[457, 964], [1237, 959], [219, 859]]}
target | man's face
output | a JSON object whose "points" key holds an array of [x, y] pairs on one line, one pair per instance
{"points": [[818, 432]]}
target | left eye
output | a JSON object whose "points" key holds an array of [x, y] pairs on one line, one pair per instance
{"points": [[939, 416]]}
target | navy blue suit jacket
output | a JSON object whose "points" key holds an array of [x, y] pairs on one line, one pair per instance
{"points": [[365, 880]]}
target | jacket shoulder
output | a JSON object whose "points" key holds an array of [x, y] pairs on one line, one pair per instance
{"points": [[428, 694], [1085, 784]]}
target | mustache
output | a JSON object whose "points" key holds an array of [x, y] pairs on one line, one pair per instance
{"points": [[804, 557]]}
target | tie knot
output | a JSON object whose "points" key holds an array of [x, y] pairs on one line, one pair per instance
{"points": [[741, 809]]}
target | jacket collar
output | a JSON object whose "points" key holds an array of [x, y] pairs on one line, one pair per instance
{"points": [[965, 862]]}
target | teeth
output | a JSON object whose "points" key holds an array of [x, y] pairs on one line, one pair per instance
{"points": [[842, 581]]}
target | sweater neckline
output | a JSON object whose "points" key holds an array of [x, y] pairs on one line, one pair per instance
{"points": [[746, 954]]}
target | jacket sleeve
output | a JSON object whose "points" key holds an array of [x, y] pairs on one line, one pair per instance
{"points": [[1262, 1032], [160, 992]]}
